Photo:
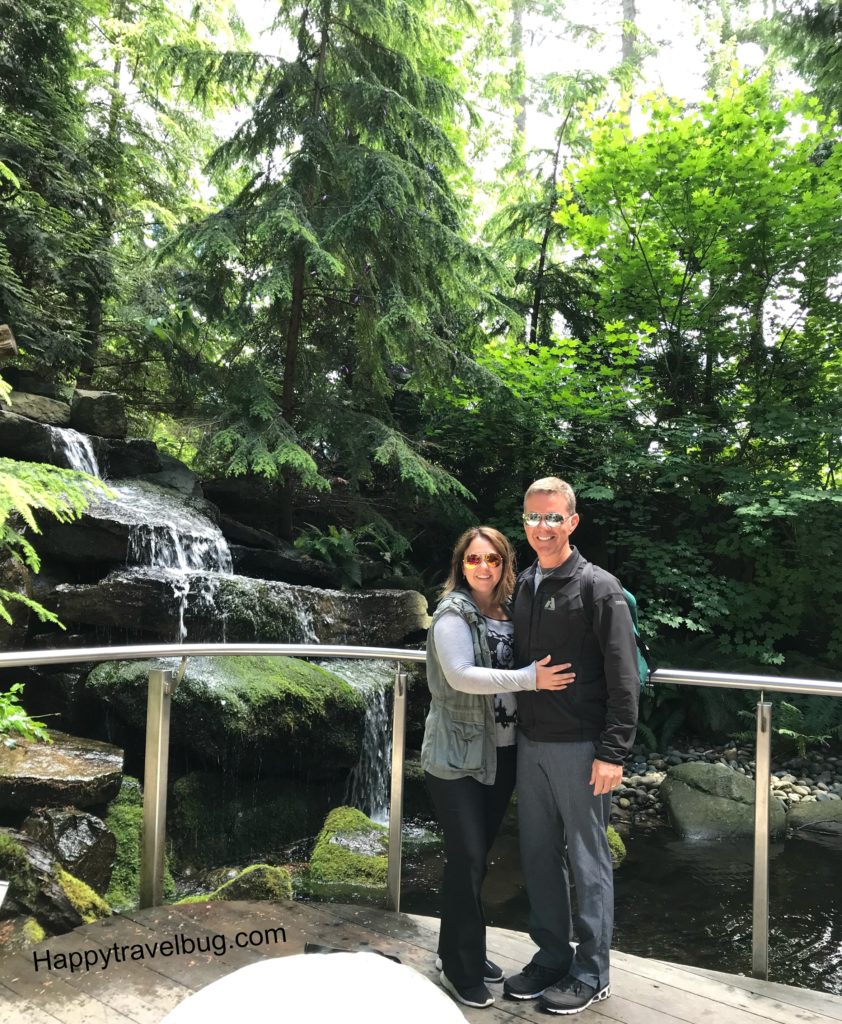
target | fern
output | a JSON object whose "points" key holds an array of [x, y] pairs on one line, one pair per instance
{"points": [[26, 488]]}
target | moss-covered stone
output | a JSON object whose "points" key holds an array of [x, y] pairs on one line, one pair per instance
{"points": [[32, 932], [350, 849], [124, 818], [15, 869], [82, 897], [258, 715], [19, 934], [257, 882], [616, 846]]}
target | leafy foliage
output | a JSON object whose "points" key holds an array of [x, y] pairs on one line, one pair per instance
{"points": [[26, 487], [15, 721], [803, 723]]}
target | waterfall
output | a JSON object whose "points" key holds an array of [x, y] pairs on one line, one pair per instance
{"points": [[74, 449], [369, 782], [168, 531]]}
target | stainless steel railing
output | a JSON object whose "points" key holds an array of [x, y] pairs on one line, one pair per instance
{"points": [[162, 684], [762, 766]]}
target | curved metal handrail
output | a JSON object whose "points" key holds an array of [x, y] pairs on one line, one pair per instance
{"points": [[162, 683], [63, 656]]}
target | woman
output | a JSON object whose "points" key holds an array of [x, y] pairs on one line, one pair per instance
{"points": [[468, 754]]}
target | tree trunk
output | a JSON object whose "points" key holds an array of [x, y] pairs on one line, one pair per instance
{"points": [[538, 293], [629, 19], [518, 77]]}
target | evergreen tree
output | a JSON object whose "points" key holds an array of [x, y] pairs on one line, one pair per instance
{"points": [[339, 270], [811, 34], [49, 190]]}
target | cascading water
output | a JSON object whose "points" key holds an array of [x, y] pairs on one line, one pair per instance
{"points": [[168, 532], [368, 783], [74, 449]]}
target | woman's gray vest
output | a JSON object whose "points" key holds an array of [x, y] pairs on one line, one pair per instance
{"points": [[459, 735]]}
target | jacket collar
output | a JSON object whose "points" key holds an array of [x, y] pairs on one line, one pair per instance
{"points": [[568, 568]]}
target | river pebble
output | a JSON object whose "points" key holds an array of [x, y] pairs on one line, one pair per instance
{"points": [[816, 777]]}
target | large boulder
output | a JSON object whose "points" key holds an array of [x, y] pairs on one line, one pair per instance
{"points": [[819, 816], [283, 563], [99, 412], [206, 606], [175, 476], [79, 841], [710, 801], [41, 408], [272, 716], [71, 770], [26, 439], [128, 457]]}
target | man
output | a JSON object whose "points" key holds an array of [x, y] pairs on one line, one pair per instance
{"points": [[571, 747]]}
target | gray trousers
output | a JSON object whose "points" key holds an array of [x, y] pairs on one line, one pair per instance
{"points": [[563, 830]]}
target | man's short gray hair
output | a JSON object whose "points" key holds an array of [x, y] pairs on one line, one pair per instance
{"points": [[553, 485]]}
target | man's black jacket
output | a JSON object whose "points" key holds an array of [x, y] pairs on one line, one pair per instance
{"points": [[601, 703]]}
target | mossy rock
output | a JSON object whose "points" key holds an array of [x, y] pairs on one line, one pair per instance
{"points": [[616, 846], [20, 934], [257, 882], [124, 818], [40, 887], [266, 716], [90, 906], [216, 818], [351, 849]]}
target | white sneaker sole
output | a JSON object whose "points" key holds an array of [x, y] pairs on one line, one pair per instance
{"points": [[597, 997]]}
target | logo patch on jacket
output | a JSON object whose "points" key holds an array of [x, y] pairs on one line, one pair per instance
{"points": [[550, 605]]}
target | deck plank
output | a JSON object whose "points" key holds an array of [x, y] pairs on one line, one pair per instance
{"points": [[791, 994], [141, 992]]}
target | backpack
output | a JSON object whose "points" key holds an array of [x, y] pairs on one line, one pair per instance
{"points": [[645, 665]]}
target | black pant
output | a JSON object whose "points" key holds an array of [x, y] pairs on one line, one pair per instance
{"points": [[470, 814]]}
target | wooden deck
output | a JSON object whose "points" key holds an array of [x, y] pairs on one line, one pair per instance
{"points": [[143, 991]]}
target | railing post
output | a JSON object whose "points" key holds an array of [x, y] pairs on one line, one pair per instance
{"points": [[760, 903], [393, 877], [155, 788]]}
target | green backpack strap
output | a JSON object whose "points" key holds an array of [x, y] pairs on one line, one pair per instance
{"points": [[644, 656]]}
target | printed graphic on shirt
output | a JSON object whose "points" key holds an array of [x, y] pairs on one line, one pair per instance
{"points": [[502, 656]]}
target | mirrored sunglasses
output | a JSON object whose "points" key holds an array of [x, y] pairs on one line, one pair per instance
{"points": [[492, 560], [550, 518]]}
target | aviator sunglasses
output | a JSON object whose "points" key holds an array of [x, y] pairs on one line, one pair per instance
{"points": [[550, 518], [492, 560]]}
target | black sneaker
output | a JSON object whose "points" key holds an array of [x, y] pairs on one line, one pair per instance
{"points": [[474, 995], [572, 996], [491, 973], [532, 981]]}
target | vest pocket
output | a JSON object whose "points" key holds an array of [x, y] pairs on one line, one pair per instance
{"points": [[467, 742]]}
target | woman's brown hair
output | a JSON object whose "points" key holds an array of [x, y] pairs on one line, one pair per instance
{"points": [[505, 588]]}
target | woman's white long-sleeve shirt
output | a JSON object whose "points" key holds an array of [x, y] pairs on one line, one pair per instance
{"points": [[455, 652]]}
